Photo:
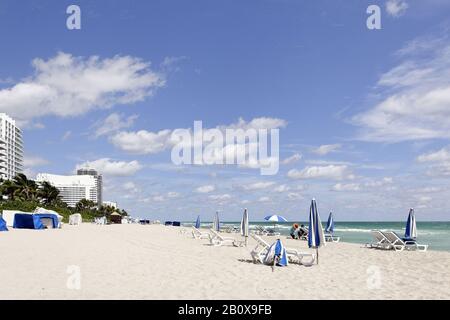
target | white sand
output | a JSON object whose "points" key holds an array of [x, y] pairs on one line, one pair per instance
{"points": [[157, 262]]}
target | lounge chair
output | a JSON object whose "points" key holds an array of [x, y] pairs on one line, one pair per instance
{"points": [[381, 242], [329, 237], [217, 240], [259, 252], [197, 234], [399, 244]]}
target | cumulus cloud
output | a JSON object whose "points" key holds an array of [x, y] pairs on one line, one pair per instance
{"points": [[396, 8], [205, 189], [415, 96], [440, 161], [326, 149], [346, 187], [142, 142], [147, 142], [67, 86], [256, 186], [110, 167], [334, 172], [220, 197], [264, 199], [113, 123], [292, 159], [282, 188]]}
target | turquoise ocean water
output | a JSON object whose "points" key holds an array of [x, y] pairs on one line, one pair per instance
{"points": [[435, 234]]}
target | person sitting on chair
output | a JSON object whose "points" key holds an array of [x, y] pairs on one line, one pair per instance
{"points": [[294, 231], [302, 231]]}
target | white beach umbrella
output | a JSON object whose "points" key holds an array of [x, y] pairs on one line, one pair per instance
{"points": [[216, 223], [411, 229], [244, 225]]}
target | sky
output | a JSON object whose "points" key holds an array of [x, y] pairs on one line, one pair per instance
{"points": [[363, 115]]}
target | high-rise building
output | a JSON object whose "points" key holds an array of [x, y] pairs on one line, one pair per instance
{"points": [[11, 148], [74, 188], [99, 182]]}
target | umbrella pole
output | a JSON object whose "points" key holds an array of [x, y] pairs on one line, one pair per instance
{"points": [[317, 255], [246, 240]]}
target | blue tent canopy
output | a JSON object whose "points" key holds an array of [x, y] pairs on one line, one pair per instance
{"points": [[50, 216], [3, 225], [27, 221]]}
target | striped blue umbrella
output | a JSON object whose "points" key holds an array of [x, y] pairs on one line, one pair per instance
{"points": [[197, 223], [244, 225], [330, 224], [276, 254], [316, 237], [216, 223], [411, 229], [275, 218]]}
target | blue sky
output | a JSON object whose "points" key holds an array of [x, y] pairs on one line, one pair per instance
{"points": [[364, 114]]}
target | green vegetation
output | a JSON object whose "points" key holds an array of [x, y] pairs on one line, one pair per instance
{"points": [[23, 194]]}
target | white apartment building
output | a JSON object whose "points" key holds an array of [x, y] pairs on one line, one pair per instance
{"points": [[11, 148], [73, 188]]}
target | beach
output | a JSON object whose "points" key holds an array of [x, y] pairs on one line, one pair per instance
{"points": [[134, 261]]}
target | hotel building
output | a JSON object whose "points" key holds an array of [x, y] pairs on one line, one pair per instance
{"points": [[11, 148]]}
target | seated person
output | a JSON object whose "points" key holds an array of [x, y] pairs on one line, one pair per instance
{"points": [[302, 231], [294, 231]]}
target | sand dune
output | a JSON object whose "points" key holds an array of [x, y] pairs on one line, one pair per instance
{"points": [[157, 262]]}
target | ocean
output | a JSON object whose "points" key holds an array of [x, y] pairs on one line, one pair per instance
{"points": [[435, 234]]}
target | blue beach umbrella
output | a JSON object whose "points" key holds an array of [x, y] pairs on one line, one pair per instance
{"points": [[3, 226], [216, 223], [411, 229], [244, 225], [276, 254], [275, 218], [330, 224], [316, 237], [197, 223]]}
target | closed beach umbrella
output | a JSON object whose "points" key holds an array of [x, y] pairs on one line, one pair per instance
{"points": [[330, 224], [316, 237], [276, 254], [216, 223], [244, 225], [197, 223], [411, 229]]}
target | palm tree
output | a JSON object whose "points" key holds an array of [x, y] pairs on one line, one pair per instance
{"points": [[85, 205], [26, 189], [48, 193], [8, 188]]}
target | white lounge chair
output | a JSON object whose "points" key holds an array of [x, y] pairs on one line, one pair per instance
{"points": [[398, 244], [381, 242], [218, 240], [331, 238], [259, 252], [197, 234]]}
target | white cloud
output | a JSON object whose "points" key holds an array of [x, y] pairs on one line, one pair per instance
{"points": [[256, 186], [442, 155], [326, 148], [415, 96], [34, 161], [346, 187], [173, 195], [440, 160], [282, 188], [67, 86], [142, 142], [292, 159], [220, 197], [335, 172], [396, 8], [66, 135], [205, 189], [110, 167], [294, 196], [114, 122], [264, 199], [147, 142], [130, 187]]}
